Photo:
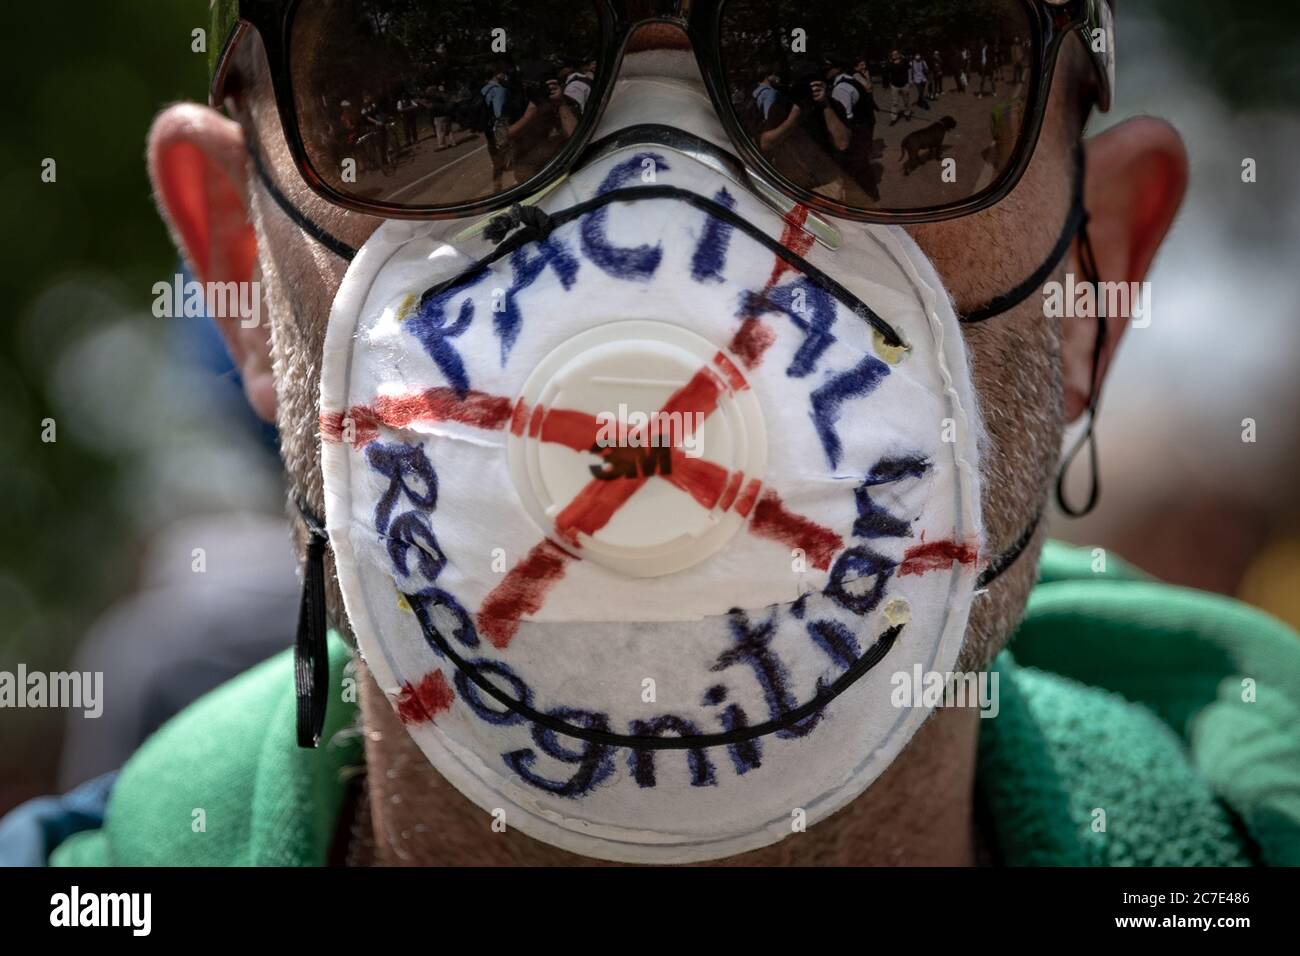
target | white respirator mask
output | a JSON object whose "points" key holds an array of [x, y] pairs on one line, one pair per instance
{"points": [[641, 494]]}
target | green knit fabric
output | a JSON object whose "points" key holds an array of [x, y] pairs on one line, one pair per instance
{"points": [[1117, 694], [234, 755], [1175, 711], [1061, 757]]}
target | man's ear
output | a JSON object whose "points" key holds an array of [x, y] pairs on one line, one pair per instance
{"points": [[1136, 177], [197, 165]]}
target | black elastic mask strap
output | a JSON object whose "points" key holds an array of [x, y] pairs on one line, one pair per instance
{"points": [[310, 649], [521, 225], [993, 570], [1088, 264], [1074, 221], [322, 235], [310, 653]]}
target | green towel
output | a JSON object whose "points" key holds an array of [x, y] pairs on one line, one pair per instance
{"points": [[1137, 688], [1117, 694], [233, 755]]}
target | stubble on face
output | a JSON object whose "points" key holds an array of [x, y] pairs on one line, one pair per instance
{"points": [[299, 279]]}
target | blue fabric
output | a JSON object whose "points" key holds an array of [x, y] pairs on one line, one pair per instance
{"points": [[198, 343], [30, 832], [495, 94]]}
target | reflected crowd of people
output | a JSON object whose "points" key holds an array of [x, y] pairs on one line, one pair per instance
{"points": [[520, 114], [827, 122], [871, 126]]}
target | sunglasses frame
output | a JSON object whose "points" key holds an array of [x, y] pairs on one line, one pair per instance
{"points": [[1049, 21]]}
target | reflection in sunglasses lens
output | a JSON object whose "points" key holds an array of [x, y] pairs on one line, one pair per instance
{"points": [[419, 104], [878, 104]]}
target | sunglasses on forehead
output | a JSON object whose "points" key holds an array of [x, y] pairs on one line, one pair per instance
{"points": [[871, 110]]}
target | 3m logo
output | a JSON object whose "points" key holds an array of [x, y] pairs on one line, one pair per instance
{"points": [[632, 462]]}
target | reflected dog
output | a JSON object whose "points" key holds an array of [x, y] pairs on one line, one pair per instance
{"points": [[928, 139]]}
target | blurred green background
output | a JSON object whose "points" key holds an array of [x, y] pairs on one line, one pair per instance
{"points": [[137, 448], [80, 345], [80, 253]]}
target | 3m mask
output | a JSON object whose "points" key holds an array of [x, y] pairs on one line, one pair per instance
{"points": [[640, 496]]}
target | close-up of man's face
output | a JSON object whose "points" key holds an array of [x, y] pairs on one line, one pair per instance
{"points": [[649, 434], [1031, 377]]}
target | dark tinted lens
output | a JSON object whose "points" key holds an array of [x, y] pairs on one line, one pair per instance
{"points": [[880, 104], [438, 103]]}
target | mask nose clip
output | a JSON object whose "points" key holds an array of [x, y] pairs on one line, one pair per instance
{"points": [[683, 144], [721, 162], [533, 219]]}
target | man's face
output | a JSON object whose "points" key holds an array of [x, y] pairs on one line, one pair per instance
{"points": [[1027, 383], [1031, 375]]}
